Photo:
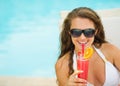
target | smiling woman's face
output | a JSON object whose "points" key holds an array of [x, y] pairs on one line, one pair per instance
{"points": [[82, 24]]}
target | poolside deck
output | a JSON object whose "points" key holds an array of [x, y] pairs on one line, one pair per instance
{"points": [[27, 81]]}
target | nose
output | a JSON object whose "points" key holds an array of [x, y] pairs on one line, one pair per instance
{"points": [[82, 36]]}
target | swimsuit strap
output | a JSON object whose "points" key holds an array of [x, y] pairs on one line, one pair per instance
{"points": [[100, 54], [74, 61]]}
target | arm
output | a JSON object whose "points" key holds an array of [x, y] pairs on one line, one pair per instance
{"points": [[116, 59], [61, 71]]}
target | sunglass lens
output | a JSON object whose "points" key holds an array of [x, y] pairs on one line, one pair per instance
{"points": [[89, 32], [75, 32]]}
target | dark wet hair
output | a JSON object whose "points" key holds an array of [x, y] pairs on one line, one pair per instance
{"points": [[65, 38]]}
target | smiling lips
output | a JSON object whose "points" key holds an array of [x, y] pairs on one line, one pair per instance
{"points": [[82, 43]]}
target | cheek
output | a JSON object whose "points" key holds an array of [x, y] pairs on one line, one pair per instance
{"points": [[91, 40], [76, 44], [73, 40]]}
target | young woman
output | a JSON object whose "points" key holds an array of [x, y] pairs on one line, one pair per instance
{"points": [[83, 26]]}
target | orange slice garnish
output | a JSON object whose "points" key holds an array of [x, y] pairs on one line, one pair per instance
{"points": [[88, 53]]}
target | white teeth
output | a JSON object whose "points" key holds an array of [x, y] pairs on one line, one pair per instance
{"points": [[82, 42]]}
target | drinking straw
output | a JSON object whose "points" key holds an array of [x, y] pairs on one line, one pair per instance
{"points": [[82, 52], [79, 54]]}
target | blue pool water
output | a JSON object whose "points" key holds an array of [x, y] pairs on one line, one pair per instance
{"points": [[29, 34]]}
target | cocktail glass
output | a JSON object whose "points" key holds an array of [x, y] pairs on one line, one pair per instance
{"points": [[82, 65]]}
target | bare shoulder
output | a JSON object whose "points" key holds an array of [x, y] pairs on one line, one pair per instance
{"points": [[62, 61], [61, 68], [113, 53], [110, 48]]}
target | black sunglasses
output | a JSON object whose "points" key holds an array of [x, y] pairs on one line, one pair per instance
{"points": [[87, 32]]}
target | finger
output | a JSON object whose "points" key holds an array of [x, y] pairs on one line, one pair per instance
{"points": [[78, 84], [79, 80], [76, 73]]}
